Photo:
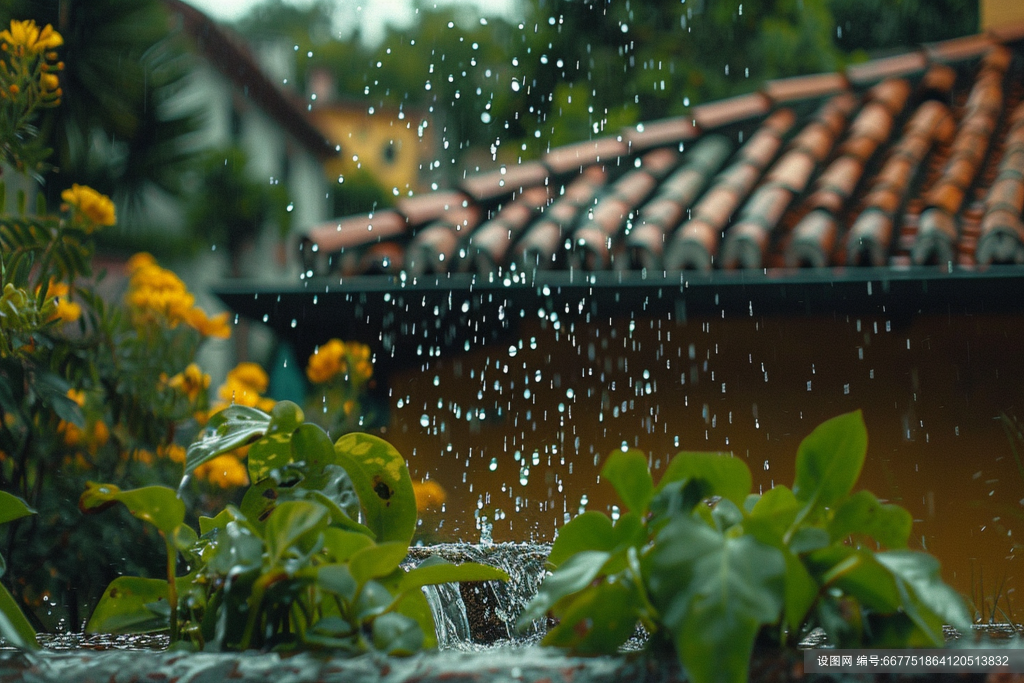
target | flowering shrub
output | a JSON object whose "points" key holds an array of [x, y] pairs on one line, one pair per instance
{"points": [[89, 388], [340, 373]]}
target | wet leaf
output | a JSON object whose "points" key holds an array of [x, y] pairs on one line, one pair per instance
{"points": [[726, 476], [373, 599], [268, 453], [397, 634], [342, 545], [228, 429], [598, 621], [12, 508], [381, 479], [863, 513], [14, 627], [829, 460], [337, 579], [289, 523], [629, 474], [445, 572], [125, 607], [573, 575], [858, 574], [377, 561], [285, 418], [927, 599], [414, 605], [591, 530], [157, 505]]}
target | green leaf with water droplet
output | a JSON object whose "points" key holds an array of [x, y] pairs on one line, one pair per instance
{"points": [[598, 621], [125, 607], [377, 561], [381, 480], [829, 460], [14, 627], [445, 572], [628, 473], [927, 600], [157, 505], [591, 530], [228, 429], [573, 575]]}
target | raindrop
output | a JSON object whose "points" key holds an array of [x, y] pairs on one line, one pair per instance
{"points": [[424, 421], [494, 464]]}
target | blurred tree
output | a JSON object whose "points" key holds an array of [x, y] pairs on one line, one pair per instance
{"points": [[879, 24], [117, 130]]}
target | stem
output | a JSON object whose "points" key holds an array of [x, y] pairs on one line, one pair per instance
{"points": [[172, 586]]}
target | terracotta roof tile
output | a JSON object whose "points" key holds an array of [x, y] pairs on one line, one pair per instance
{"points": [[487, 187], [1013, 33], [573, 158], [788, 90], [663, 133], [733, 110], [897, 66], [904, 161]]}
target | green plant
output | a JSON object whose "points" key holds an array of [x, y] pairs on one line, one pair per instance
{"points": [[291, 566], [708, 567], [14, 627]]}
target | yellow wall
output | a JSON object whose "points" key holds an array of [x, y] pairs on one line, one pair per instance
{"points": [[995, 13], [391, 148]]}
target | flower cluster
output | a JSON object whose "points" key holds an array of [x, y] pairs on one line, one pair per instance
{"points": [[245, 385], [89, 208], [158, 295], [191, 382], [64, 309], [28, 72], [349, 361]]}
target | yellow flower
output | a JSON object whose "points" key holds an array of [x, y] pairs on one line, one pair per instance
{"points": [[26, 37], [140, 260], [225, 471], [190, 381], [217, 326], [429, 494], [249, 375], [172, 452], [77, 396], [97, 208], [327, 362]]}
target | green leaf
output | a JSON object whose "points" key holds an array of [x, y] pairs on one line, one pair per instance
{"points": [[628, 473], [208, 524], [777, 507], [268, 453], [445, 572], [126, 607], [573, 575], [289, 523], [719, 589], [227, 430], [862, 513], [377, 561], [12, 508], [285, 418], [342, 545], [727, 476], [337, 579], [14, 627], [397, 634], [801, 591], [158, 505], [373, 599], [807, 539], [598, 621], [53, 392], [927, 597], [591, 530], [829, 460], [858, 574], [381, 479], [415, 606]]}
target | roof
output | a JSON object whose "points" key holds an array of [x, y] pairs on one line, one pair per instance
{"points": [[915, 158], [228, 54]]}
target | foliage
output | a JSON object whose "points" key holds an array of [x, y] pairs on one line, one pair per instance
{"points": [[291, 566], [880, 24], [89, 387], [706, 566], [14, 627]]}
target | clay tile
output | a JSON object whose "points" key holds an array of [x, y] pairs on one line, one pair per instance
{"points": [[354, 231], [959, 49], [998, 58], [535, 197], [539, 246], [842, 175], [860, 147], [907, 64], [892, 93], [945, 196], [664, 213], [573, 157], [960, 172], [423, 208], [513, 216], [386, 258], [761, 148], [939, 79], [682, 186], [836, 112], [813, 240], [607, 217], [780, 121], [694, 247], [1002, 239], [717, 205], [869, 238], [873, 121], [827, 199], [1007, 194], [431, 250], [784, 90], [486, 187], [663, 133], [815, 140], [928, 117], [645, 246], [732, 110], [767, 205], [740, 178], [1012, 33], [896, 173], [792, 171], [885, 199], [659, 162], [634, 187], [589, 249], [744, 246]]}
